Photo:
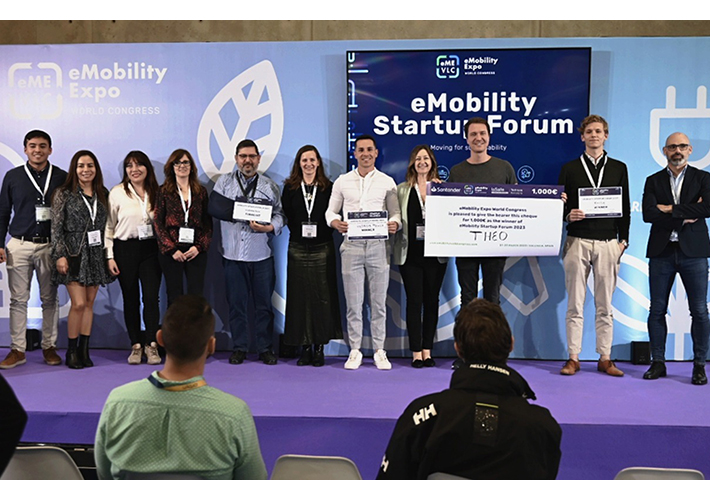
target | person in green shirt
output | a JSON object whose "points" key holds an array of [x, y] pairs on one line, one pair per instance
{"points": [[173, 422]]}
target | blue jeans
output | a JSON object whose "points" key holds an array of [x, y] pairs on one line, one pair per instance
{"points": [[250, 282], [694, 274]]}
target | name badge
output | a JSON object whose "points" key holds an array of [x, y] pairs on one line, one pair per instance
{"points": [[420, 232], [309, 230], [145, 232], [186, 235], [42, 213], [94, 238]]}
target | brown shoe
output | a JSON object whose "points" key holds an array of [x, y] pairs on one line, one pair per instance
{"points": [[571, 367], [51, 357], [609, 368], [13, 359]]}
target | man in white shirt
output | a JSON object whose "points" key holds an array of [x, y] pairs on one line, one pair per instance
{"points": [[365, 189]]}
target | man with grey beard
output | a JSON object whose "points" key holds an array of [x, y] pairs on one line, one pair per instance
{"points": [[676, 202]]}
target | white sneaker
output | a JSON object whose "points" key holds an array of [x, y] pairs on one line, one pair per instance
{"points": [[151, 352], [354, 360], [136, 355], [381, 361]]}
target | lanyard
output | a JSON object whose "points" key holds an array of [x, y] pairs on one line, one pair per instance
{"points": [[185, 209], [676, 185], [421, 201], [251, 188], [143, 203], [365, 185], [589, 175], [46, 182], [309, 200], [176, 388], [92, 213]]}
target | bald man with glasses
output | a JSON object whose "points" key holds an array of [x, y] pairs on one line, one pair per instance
{"points": [[676, 202]]}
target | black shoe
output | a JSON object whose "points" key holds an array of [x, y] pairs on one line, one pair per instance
{"points": [[268, 357], [237, 358], [306, 356], [417, 363], [318, 357], [458, 363], [429, 362], [699, 377], [658, 369], [84, 351], [73, 360]]}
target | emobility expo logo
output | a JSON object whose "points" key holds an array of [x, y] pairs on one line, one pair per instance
{"points": [[447, 66]]}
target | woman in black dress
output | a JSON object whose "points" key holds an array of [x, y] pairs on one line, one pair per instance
{"points": [[79, 210], [312, 306]]}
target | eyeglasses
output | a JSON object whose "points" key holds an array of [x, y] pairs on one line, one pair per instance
{"points": [[245, 156], [679, 147], [184, 163]]}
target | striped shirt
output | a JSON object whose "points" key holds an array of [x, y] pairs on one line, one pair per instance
{"points": [[239, 241]]}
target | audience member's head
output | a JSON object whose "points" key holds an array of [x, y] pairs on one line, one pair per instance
{"points": [[482, 333], [188, 329]]}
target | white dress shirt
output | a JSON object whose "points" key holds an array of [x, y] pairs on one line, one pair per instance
{"points": [[353, 193]]}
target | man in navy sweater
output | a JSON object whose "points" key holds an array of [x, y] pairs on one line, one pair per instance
{"points": [[27, 195]]}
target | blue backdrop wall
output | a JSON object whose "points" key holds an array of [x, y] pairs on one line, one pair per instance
{"points": [[206, 97]]}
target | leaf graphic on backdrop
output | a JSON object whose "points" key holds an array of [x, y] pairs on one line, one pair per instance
{"points": [[250, 106]]}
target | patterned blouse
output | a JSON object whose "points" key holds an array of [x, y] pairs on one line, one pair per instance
{"points": [[71, 223], [170, 217]]}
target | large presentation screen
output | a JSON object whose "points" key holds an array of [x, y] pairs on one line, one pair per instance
{"points": [[533, 99]]}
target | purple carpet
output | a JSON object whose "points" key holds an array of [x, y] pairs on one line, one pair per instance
{"points": [[608, 423]]}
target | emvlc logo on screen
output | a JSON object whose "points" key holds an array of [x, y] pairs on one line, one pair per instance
{"points": [[250, 106], [34, 91], [447, 66]]}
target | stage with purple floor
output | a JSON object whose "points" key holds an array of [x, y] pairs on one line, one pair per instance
{"points": [[608, 423]]}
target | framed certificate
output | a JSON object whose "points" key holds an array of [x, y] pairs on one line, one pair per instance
{"points": [[604, 202], [257, 209], [367, 225]]}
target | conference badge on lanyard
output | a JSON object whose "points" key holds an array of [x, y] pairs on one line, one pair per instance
{"points": [[93, 237], [42, 211], [145, 230], [309, 229], [186, 234]]}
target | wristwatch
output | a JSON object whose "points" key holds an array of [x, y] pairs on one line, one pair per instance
{"points": [[625, 243]]}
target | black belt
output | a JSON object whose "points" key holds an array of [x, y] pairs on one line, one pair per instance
{"points": [[40, 240]]}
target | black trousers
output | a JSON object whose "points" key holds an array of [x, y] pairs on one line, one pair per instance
{"points": [[137, 262], [492, 271], [193, 270], [422, 284]]}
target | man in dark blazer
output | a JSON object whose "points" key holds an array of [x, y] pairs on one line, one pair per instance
{"points": [[676, 201]]}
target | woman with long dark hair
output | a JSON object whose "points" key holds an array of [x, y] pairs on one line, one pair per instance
{"points": [[132, 253], [79, 212], [183, 226], [312, 306], [422, 276]]}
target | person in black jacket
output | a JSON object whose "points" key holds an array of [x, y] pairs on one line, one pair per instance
{"points": [[676, 201], [482, 427], [12, 422]]}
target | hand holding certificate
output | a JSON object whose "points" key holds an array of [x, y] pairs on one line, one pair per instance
{"points": [[493, 220], [600, 202], [367, 225], [255, 209]]}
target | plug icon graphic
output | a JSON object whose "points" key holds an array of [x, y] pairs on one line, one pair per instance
{"points": [[670, 111]]}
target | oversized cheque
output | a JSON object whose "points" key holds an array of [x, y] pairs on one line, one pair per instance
{"points": [[492, 220]]}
